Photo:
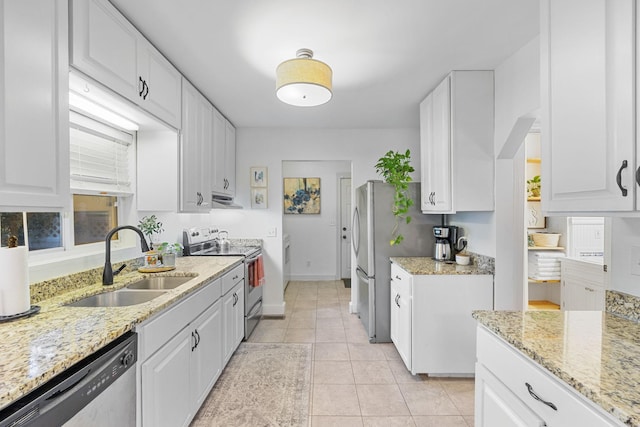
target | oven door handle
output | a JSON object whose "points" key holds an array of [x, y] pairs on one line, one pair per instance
{"points": [[253, 258]]}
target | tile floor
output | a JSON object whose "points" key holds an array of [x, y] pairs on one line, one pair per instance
{"points": [[355, 383]]}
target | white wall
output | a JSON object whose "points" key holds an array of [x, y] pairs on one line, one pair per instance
{"points": [[517, 86], [625, 255], [270, 147], [315, 237]]}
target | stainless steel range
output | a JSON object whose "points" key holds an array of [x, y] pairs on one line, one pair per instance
{"points": [[204, 241]]}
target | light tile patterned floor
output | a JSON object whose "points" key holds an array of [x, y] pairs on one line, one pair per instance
{"points": [[355, 383]]}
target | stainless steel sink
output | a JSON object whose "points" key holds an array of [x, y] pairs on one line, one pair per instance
{"points": [[121, 298], [167, 282]]}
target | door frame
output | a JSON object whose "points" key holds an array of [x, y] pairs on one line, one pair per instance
{"points": [[341, 256]]}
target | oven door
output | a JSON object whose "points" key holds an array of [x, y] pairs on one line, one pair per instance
{"points": [[252, 294]]}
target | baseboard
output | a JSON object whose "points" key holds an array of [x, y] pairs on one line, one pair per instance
{"points": [[311, 278], [273, 309]]}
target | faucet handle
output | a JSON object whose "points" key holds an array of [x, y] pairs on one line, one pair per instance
{"points": [[119, 269]]}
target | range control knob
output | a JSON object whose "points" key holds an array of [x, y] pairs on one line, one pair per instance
{"points": [[127, 359]]}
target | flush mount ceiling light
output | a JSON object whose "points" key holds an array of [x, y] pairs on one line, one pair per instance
{"points": [[303, 81]]}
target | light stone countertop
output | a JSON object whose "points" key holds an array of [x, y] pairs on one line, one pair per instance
{"points": [[596, 353], [35, 349], [419, 266]]}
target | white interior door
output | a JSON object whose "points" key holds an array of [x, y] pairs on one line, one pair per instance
{"points": [[345, 227]]}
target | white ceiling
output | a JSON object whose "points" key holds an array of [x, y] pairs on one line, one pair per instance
{"points": [[385, 55]]}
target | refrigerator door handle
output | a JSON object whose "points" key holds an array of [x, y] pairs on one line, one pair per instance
{"points": [[355, 231], [361, 274]]}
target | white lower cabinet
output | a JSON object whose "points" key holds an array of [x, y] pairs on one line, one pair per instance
{"points": [[206, 358], [177, 379], [499, 406], [183, 350], [431, 321], [401, 313], [233, 309], [512, 390], [165, 384]]}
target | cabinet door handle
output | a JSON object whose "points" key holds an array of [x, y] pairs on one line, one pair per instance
{"points": [[589, 289], [638, 175], [197, 338], [235, 299], [619, 178], [146, 86], [193, 337], [140, 85], [397, 298], [536, 397]]}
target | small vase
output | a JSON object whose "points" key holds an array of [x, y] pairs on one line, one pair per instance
{"points": [[169, 260]]}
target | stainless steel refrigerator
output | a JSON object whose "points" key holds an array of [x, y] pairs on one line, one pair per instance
{"points": [[373, 222]]}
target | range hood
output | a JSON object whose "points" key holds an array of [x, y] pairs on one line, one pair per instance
{"points": [[223, 202]]}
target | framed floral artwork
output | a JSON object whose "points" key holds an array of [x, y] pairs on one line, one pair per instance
{"points": [[301, 196], [258, 198], [258, 176]]}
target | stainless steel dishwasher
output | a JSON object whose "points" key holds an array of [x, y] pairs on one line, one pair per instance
{"points": [[100, 390]]}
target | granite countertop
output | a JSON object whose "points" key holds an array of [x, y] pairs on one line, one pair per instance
{"points": [[596, 353], [419, 266], [37, 348]]}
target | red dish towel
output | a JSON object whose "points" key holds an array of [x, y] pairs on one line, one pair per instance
{"points": [[258, 279]]}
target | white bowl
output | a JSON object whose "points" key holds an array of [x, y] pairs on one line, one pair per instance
{"points": [[463, 259]]}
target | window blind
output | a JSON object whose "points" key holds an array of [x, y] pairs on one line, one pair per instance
{"points": [[99, 157]]}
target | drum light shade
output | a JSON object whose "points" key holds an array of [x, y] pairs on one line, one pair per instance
{"points": [[304, 81]]}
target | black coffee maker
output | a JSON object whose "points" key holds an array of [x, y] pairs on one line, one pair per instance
{"points": [[446, 242]]}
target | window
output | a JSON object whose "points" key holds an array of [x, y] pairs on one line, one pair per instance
{"points": [[43, 229], [101, 167], [99, 157], [93, 217]]}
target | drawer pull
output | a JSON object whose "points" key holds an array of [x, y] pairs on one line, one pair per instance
{"points": [[536, 397], [398, 277]]}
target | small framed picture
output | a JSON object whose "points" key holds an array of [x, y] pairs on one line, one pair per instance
{"points": [[258, 176], [535, 219], [258, 198]]}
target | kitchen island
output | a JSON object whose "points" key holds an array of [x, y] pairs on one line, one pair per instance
{"points": [[595, 353], [37, 348], [431, 302]]}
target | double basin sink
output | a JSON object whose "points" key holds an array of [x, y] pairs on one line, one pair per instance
{"points": [[136, 293]]}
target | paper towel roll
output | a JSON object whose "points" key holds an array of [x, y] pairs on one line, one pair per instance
{"points": [[14, 281]]}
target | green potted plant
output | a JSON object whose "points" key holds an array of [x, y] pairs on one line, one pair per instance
{"points": [[533, 186], [395, 169], [169, 251], [151, 227]]}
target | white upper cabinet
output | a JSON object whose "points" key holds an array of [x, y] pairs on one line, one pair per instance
{"points": [[34, 111], [109, 49], [230, 158], [217, 174], [588, 101], [456, 144], [195, 150], [224, 156], [161, 84]]}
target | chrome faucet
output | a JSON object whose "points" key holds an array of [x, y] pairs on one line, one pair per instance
{"points": [[107, 273]]}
